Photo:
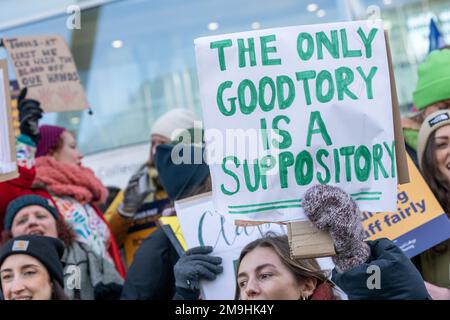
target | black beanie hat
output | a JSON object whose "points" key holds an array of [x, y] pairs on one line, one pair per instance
{"points": [[180, 178], [25, 201], [47, 250]]}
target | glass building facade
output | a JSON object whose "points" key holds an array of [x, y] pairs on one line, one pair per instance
{"points": [[136, 57]]}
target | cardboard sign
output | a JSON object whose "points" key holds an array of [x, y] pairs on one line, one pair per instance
{"points": [[418, 222], [400, 149], [202, 225], [8, 166], [46, 67], [306, 241], [285, 109]]}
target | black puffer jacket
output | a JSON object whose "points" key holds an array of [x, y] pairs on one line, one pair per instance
{"points": [[150, 276], [398, 277]]}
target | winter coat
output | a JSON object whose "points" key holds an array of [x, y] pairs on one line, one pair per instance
{"points": [[129, 232], [387, 275], [120, 225], [84, 270], [435, 264], [90, 229], [151, 276], [22, 185]]}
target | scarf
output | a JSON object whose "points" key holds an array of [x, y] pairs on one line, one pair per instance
{"points": [[65, 179], [324, 291]]}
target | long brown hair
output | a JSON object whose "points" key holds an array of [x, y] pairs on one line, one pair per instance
{"points": [[434, 178], [301, 268], [58, 146], [57, 291]]}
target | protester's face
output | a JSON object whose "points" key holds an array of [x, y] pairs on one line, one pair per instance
{"points": [[263, 276], [156, 140], [442, 152], [24, 278], [34, 220], [68, 153]]}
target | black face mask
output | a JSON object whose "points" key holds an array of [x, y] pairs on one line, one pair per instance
{"points": [[179, 179]]}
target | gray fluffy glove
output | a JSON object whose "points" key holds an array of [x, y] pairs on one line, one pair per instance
{"points": [[135, 193], [333, 210], [195, 265]]}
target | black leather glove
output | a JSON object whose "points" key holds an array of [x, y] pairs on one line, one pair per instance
{"points": [[195, 265], [109, 291], [29, 114]]}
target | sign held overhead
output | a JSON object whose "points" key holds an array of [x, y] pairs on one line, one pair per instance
{"points": [[44, 64], [285, 109]]}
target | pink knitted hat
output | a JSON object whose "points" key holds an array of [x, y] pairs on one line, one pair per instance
{"points": [[49, 139]]}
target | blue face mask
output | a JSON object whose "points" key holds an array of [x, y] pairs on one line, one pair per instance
{"points": [[179, 179]]}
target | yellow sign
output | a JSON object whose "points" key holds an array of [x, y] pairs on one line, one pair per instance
{"points": [[416, 205], [174, 224]]}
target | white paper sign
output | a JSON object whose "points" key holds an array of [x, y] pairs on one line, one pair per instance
{"points": [[285, 109], [201, 225], [8, 166]]}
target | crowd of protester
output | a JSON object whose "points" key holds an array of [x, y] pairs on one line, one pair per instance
{"points": [[57, 244]]}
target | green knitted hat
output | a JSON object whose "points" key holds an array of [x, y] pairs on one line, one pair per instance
{"points": [[433, 84]]}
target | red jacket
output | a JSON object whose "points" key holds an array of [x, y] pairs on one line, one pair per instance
{"points": [[12, 189]]}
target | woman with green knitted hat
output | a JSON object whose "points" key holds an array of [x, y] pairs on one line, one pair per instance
{"points": [[432, 93]]}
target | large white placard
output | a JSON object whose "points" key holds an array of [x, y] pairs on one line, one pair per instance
{"points": [[285, 109]]}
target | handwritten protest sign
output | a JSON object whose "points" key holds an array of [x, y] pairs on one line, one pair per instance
{"points": [[202, 225], [8, 167], [46, 67], [417, 224], [288, 108]]}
